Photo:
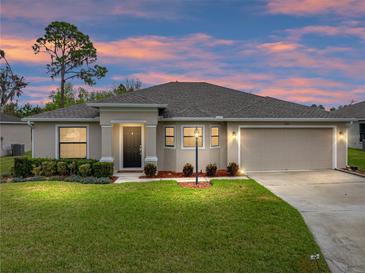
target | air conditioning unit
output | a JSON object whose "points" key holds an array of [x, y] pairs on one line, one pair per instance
{"points": [[17, 149]]}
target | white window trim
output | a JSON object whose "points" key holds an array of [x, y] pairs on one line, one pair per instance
{"points": [[57, 153], [121, 131], [164, 137], [219, 136], [334, 138], [182, 136]]}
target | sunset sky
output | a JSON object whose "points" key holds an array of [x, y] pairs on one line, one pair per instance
{"points": [[307, 51]]}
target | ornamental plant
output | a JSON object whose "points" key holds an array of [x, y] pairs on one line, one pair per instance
{"points": [[188, 170], [211, 170]]}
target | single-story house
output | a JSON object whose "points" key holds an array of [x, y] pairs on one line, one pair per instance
{"points": [[357, 128], [157, 124], [13, 131]]}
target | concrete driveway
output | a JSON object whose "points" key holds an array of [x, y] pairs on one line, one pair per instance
{"points": [[333, 206]]}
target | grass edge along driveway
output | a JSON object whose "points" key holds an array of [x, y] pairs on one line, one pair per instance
{"points": [[356, 157], [234, 226]]}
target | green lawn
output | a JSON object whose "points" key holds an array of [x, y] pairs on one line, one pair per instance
{"points": [[7, 162], [357, 158], [234, 226]]}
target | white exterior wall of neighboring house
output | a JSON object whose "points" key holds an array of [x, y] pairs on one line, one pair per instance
{"points": [[354, 135], [45, 139], [14, 133]]}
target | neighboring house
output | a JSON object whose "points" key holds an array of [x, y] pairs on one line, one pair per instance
{"points": [[157, 125], [13, 131], [357, 128]]}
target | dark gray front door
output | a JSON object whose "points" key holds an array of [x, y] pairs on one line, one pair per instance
{"points": [[132, 147]]}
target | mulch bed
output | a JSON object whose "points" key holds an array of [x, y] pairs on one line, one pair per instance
{"points": [[172, 174], [193, 185]]}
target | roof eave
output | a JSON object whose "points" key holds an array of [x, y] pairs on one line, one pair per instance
{"points": [[30, 119], [16, 123], [258, 119], [127, 105]]}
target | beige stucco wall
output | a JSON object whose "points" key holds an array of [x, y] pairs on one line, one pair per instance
{"points": [[174, 159], [113, 120], [14, 134], [232, 148], [44, 139], [354, 135]]}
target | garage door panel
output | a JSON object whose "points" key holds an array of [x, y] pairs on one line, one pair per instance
{"points": [[286, 149]]}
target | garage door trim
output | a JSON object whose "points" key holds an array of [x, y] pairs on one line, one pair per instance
{"points": [[334, 134]]}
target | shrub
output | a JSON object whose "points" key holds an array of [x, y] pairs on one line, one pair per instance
{"points": [[62, 168], [49, 168], [85, 170], [102, 169], [150, 170], [22, 167], [188, 170], [232, 169], [37, 170], [211, 170], [72, 167]]}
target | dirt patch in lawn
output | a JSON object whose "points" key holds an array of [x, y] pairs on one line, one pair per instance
{"points": [[193, 185]]}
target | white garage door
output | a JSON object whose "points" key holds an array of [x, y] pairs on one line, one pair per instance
{"points": [[264, 149]]}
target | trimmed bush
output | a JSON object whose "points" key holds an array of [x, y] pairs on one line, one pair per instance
{"points": [[188, 170], [85, 170], [211, 170], [37, 170], [150, 170], [49, 168], [62, 168], [232, 169], [72, 167], [103, 169], [22, 167]]}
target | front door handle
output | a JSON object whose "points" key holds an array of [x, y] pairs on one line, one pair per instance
{"points": [[140, 149]]}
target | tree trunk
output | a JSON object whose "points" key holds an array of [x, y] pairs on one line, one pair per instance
{"points": [[62, 88]]}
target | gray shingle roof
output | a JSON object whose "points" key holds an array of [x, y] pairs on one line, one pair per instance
{"points": [[7, 118], [199, 99], [352, 111], [75, 111]]}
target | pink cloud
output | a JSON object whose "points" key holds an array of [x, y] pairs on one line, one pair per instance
{"points": [[344, 30], [160, 48], [20, 50], [307, 7], [278, 47], [46, 11]]}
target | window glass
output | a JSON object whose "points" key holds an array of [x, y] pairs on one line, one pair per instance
{"points": [[214, 136], [72, 142], [169, 136], [72, 134], [72, 150], [189, 137]]}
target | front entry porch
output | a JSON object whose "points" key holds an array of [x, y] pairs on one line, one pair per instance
{"points": [[129, 145]]}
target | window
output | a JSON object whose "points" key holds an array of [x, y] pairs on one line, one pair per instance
{"points": [[214, 136], [72, 142], [362, 132], [189, 137], [169, 137]]}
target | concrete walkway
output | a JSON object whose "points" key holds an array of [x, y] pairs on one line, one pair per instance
{"points": [[333, 206], [129, 177]]}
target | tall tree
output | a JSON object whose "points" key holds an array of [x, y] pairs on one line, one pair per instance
{"points": [[72, 55], [11, 85]]}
